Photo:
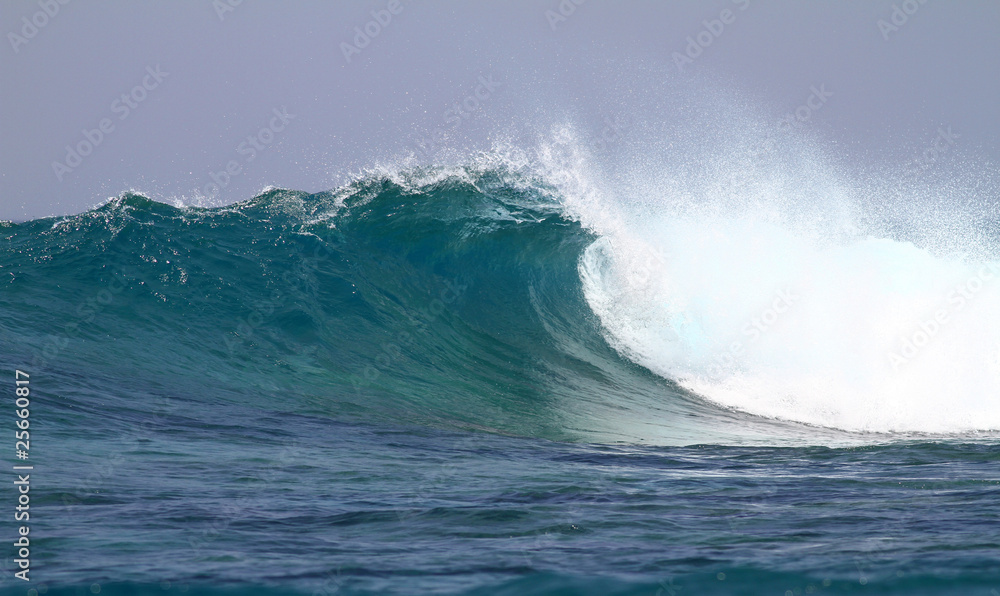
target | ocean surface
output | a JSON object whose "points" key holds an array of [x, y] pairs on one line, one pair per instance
{"points": [[487, 380]]}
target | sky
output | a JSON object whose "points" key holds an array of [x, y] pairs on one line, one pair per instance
{"points": [[206, 102]]}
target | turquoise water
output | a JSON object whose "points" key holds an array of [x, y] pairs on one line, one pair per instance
{"points": [[410, 385]]}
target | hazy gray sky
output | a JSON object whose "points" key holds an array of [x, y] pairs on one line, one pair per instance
{"points": [[162, 97]]}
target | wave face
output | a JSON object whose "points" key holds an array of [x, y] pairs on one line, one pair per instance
{"points": [[449, 300], [490, 298]]}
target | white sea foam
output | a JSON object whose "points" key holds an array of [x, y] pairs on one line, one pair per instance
{"points": [[748, 269]]}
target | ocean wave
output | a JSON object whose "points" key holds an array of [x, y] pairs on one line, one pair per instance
{"points": [[512, 300]]}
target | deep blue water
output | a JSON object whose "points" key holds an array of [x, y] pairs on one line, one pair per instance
{"points": [[400, 389]]}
